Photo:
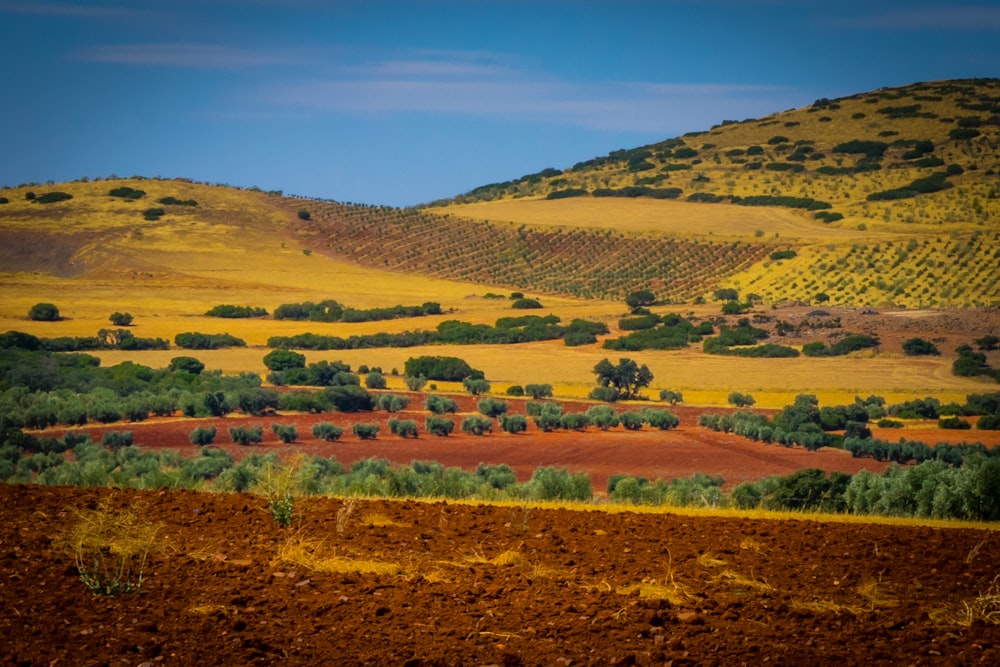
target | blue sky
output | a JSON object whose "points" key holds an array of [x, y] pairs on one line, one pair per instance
{"points": [[406, 102]]}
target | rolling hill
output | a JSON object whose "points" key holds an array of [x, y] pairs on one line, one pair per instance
{"points": [[882, 198]]}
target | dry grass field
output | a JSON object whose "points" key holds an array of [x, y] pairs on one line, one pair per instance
{"points": [[95, 254]]}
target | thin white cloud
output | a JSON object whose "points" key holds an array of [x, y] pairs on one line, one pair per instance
{"points": [[200, 56], [498, 92]]}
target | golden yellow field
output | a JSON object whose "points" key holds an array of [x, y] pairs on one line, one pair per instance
{"points": [[237, 247], [643, 215]]}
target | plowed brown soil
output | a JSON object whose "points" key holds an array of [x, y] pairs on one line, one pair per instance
{"points": [[653, 454], [417, 583]]}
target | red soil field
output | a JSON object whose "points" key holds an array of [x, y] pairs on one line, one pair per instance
{"points": [[491, 585], [653, 454]]}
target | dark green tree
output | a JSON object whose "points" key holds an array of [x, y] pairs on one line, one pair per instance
{"points": [[282, 360], [640, 299], [44, 312], [627, 377], [121, 319]]}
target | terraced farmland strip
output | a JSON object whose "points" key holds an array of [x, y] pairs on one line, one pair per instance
{"points": [[579, 262]]}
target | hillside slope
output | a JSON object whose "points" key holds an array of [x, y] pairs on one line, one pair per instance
{"points": [[877, 199], [895, 193]]}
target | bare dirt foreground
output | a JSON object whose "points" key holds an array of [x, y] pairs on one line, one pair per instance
{"points": [[415, 583]]}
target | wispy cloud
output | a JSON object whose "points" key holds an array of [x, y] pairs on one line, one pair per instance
{"points": [[477, 86], [945, 17], [200, 56]]}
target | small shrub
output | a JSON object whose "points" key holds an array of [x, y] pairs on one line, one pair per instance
{"points": [[120, 319], [241, 435], [203, 436], [327, 431], [115, 440], [44, 312], [126, 192], [538, 391], [476, 386], [53, 197], [526, 304], [492, 407], [515, 390], [603, 417], [631, 420], [414, 383], [392, 402], [186, 365], [404, 428], [285, 432], [440, 404], [920, 347], [440, 426], [956, 423], [671, 397], [741, 400], [575, 421], [375, 380], [476, 425], [304, 215], [606, 394], [366, 431], [111, 548], [513, 423], [660, 419]]}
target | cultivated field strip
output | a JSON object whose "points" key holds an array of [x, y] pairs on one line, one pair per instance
{"points": [[581, 263]]}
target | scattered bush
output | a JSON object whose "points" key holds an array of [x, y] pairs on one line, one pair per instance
{"points": [[448, 369], [174, 201], [44, 312], [603, 417], [538, 391], [672, 397], [53, 197], [327, 431], [660, 419], [282, 360], [915, 347], [404, 428], [441, 426], [126, 192], [476, 425], [740, 400], [392, 402], [191, 340], [366, 431], [186, 365], [120, 319], [230, 311], [115, 440], [513, 423], [287, 433], [440, 405], [241, 435], [203, 436], [526, 304], [492, 407], [375, 380]]}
